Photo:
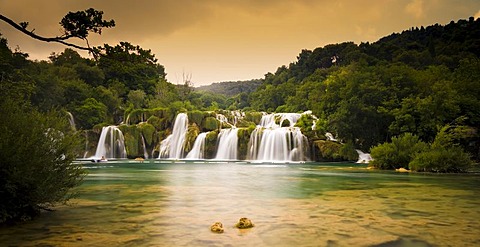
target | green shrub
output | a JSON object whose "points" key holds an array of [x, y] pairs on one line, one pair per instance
{"points": [[398, 153], [36, 154], [442, 159], [328, 150], [347, 152]]}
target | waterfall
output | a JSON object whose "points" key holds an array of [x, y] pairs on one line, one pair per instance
{"points": [[71, 120], [272, 142], [198, 147], [145, 153], [111, 143], [363, 157], [173, 144], [227, 144]]}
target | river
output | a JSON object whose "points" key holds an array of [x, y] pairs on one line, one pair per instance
{"points": [[167, 203]]}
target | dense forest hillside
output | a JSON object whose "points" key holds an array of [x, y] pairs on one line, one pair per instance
{"points": [[231, 88], [417, 81]]}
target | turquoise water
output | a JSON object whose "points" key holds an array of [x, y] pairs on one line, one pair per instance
{"points": [[164, 203]]}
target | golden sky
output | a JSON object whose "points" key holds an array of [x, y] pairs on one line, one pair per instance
{"points": [[229, 40]]}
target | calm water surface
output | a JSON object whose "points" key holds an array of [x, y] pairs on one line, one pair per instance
{"points": [[173, 204]]}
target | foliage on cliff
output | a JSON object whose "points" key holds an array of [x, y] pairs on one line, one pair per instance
{"points": [[409, 82]]}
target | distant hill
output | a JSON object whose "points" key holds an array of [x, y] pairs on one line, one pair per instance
{"points": [[231, 88]]}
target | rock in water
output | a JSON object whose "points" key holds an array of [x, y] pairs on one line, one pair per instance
{"points": [[217, 227], [402, 170], [244, 223]]}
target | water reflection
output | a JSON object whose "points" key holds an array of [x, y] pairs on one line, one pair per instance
{"points": [[174, 204]]}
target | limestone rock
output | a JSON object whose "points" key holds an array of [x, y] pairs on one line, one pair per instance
{"points": [[402, 170], [244, 223], [217, 227]]}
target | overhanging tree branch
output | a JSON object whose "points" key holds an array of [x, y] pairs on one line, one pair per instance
{"points": [[33, 35], [75, 25]]}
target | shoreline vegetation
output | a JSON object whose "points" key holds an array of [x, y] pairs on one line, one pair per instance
{"points": [[411, 99]]}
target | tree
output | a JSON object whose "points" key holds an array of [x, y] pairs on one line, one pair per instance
{"points": [[398, 153], [75, 25], [90, 113], [36, 154], [131, 65]]}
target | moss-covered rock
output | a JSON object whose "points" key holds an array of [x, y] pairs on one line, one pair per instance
{"points": [[132, 136], [155, 122], [90, 142], [254, 117], [305, 123], [196, 117], [243, 139], [211, 144], [192, 133], [209, 124]]}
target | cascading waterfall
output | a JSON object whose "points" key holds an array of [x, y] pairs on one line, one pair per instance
{"points": [[145, 153], [227, 144], [363, 157], [173, 144], [198, 147], [71, 120], [272, 142], [111, 143]]}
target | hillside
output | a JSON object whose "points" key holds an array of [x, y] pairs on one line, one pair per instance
{"points": [[231, 88], [417, 81]]}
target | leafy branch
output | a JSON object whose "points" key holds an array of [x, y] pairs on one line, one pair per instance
{"points": [[75, 25]]}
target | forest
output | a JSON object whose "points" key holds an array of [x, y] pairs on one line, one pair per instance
{"points": [[411, 99], [416, 82]]}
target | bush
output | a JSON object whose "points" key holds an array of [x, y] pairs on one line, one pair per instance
{"points": [[36, 154], [348, 152], [442, 159], [398, 153]]}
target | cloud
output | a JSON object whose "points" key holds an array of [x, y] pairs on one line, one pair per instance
{"points": [[415, 8]]}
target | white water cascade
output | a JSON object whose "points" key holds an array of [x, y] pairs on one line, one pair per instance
{"points": [[227, 144], [272, 142], [363, 157], [198, 147], [111, 143], [173, 144]]}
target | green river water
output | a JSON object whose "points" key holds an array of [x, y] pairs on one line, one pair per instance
{"points": [[164, 203]]}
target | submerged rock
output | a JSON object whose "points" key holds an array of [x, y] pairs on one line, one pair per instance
{"points": [[244, 223], [402, 170], [217, 227]]}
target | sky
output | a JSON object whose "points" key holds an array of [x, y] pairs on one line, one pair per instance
{"points": [[229, 40]]}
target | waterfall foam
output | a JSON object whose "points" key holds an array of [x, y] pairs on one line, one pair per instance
{"points": [[272, 142], [173, 144], [227, 144], [198, 147], [111, 143]]}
